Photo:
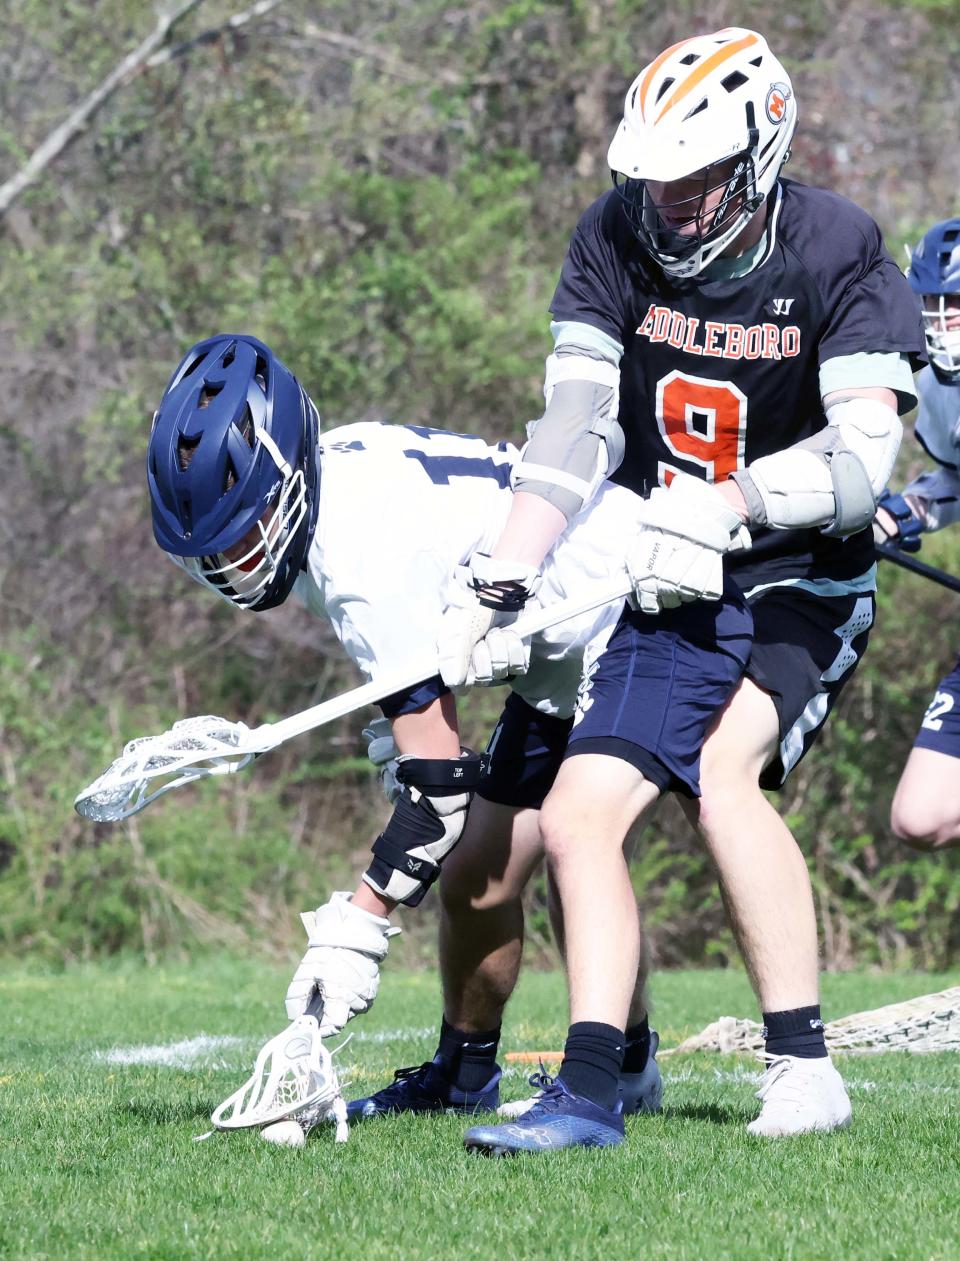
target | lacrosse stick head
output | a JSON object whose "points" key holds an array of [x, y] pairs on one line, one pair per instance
{"points": [[294, 1073], [151, 765]]}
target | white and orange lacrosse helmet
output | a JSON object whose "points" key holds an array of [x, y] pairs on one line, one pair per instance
{"points": [[704, 101]]}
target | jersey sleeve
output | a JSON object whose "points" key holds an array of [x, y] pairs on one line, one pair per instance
{"points": [[593, 287], [868, 304]]}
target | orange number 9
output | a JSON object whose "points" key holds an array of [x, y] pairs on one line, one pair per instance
{"points": [[702, 422]]}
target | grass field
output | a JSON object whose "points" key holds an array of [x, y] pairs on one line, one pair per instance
{"points": [[105, 1081]]}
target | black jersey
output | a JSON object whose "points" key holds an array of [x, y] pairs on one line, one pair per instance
{"points": [[717, 373]]}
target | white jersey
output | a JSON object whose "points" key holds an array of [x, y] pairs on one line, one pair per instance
{"points": [[401, 506], [938, 431], [938, 421]]}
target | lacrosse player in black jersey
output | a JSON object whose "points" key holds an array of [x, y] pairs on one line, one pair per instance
{"points": [[738, 347]]}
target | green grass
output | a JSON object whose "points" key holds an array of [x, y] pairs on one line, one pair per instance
{"points": [[97, 1158]]}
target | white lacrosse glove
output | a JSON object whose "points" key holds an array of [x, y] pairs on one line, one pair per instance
{"points": [[346, 945], [678, 555], [476, 643], [383, 753]]}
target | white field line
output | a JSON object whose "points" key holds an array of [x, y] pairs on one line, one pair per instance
{"points": [[203, 1051], [225, 1051]]}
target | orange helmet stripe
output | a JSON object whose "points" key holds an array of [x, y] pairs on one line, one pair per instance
{"points": [[704, 68], [652, 70]]}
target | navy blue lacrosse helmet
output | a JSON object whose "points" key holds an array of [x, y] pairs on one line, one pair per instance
{"points": [[934, 273], [233, 471]]}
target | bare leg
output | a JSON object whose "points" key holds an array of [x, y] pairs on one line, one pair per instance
{"points": [[763, 875], [584, 822], [481, 919], [926, 806], [639, 1003]]}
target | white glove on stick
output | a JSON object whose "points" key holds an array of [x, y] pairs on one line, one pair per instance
{"points": [[345, 947], [678, 553], [476, 643]]}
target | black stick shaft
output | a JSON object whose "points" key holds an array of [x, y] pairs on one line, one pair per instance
{"points": [[905, 561]]}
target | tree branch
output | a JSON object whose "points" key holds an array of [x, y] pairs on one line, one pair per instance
{"points": [[67, 132], [211, 35], [392, 64]]}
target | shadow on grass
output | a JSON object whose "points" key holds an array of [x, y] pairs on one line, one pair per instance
{"points": [[165, 1111], [716, 1114]]}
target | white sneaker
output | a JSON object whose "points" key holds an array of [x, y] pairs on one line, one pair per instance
{"points": [[800, 1096]]}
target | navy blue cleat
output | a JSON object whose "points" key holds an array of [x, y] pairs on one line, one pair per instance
{"points": [[643, 1092], [425, 1089], [557, 1119]]}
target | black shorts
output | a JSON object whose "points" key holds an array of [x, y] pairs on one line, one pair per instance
{"points": [[808, 638], [523, 756]]}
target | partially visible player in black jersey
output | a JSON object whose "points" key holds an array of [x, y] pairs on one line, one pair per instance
{"points": [[739, 348]]}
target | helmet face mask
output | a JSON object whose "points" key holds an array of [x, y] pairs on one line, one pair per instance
{"points": [[718, 109], [941, 329], [677, 220], [233, 471], [242, 573], [934, 275]]}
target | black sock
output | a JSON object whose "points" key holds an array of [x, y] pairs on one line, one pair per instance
{"points": [[637, 1050], [591, 1062], [469, 1058], [797, 1032]]}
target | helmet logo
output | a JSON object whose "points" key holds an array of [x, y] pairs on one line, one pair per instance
{"points": [[776, 103]]}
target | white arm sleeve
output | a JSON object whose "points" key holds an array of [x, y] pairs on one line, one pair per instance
{"points": [[832, 479], [578, 442]]}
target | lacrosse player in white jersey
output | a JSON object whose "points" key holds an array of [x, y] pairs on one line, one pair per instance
{"points": [[365, 524], [926, 805]]}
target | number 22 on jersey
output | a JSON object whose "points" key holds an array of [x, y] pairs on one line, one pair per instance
{"points": [[703, 422]]}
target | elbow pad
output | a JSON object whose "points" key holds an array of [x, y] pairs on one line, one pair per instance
{"points": [[833, 478], [578, 441]]}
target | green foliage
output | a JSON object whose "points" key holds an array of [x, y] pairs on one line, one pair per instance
{"points": [[384, 192]]}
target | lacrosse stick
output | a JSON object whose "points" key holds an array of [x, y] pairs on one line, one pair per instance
{"points": [[196, 747], [293, 1075], [896, 557]]}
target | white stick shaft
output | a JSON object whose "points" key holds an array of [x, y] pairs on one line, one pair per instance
{"points": [[269, 735]]}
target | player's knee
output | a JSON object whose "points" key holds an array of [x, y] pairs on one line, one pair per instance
{"points": [[572, 835], [558, 832], [722, 796]]}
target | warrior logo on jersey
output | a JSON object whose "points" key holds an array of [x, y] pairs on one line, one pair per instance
{"points": [[776, 105], [716, 340]]}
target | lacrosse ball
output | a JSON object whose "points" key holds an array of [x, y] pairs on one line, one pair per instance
{"points": [[284, 1134]]}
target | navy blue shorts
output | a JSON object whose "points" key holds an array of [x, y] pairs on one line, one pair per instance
{"points": [[806, 643], [940, 729], [523, 756], [653, 694]]}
